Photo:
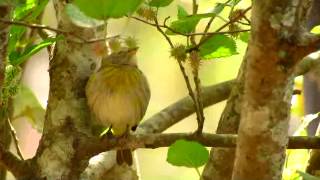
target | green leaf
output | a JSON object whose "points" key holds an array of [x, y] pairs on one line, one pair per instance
{"points": [[104, 9], [30, 10], [187, 153], [160, 3], [218, 46], [307, 176], [16, 33], [185, 23], [244, 36], [316, 30], [38, 9], [22, 10], [26, 104], [219, 8], [182, 12], [16, 58], [80, 19], [184, 26]]}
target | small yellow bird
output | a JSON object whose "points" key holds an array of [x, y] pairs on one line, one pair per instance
{"points": [[118, 95]]}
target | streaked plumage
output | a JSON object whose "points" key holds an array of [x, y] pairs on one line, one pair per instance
{"points": [[118, 94]]}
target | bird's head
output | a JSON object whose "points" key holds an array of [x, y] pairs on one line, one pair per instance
{"points": [[123, 57]]}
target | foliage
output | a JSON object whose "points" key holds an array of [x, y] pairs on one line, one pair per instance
{"points": [[188, 154], [218, 46], [105, 9], [27, 105], [210, 40]]}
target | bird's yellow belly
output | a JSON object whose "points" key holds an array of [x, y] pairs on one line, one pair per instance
{"points": [[116, 110]]}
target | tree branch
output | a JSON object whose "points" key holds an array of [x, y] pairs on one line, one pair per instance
{"points": [[59, 31], [17, 167], [184, 107], [151, 141], [189, 34]]}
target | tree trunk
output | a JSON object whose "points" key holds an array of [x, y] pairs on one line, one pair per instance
{"points": [[68, 126], [5, 137], [273, 52]]}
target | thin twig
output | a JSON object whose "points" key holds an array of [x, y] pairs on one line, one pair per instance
{"points": [[163, 33], [206, 29], [187, 34], [197, 82], [58, 31], [235, 19], [194, 12], [36, 26], [182, 69], [15, 139]]}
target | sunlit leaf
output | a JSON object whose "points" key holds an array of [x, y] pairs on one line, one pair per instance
{"points": [[160, 3], [16, 33], [17, 58], [185, 24], [218, 46], [104, 9], [244, 36], [26, 104], [182, 12], [30, 10], [316, 30], [187, 153]]}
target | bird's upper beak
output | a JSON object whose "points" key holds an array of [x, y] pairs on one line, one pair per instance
{"points": [[133, 51]]}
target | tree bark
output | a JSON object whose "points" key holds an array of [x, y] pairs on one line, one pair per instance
{"points": [[263, 132], [67, 118], [220, 165], [5, 137]]}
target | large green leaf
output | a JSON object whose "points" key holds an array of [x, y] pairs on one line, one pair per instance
{"points": [[187, 153], [218, 46], [16, 58], [160, 3], [104, 9], [25, 104]]}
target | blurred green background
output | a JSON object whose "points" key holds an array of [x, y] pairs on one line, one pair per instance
{"points": [[165, 79]]}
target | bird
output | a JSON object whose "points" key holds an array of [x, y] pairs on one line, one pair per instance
{"points": [[118, 95]]}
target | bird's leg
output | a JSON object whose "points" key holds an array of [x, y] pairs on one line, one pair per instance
{"points": [[127, 132], [107, 133]]}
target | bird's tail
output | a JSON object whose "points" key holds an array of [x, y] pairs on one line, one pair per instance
{"points": [[124, 156]]}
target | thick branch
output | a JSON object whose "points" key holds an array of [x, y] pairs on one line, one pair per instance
{"points": [[17, 167], [152, 141], [211, 95], [184, 107]]}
